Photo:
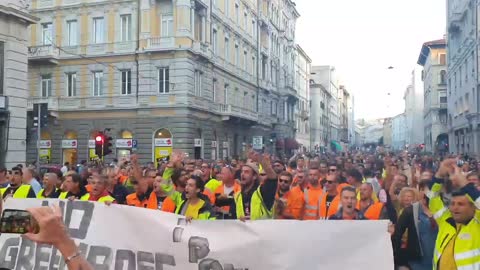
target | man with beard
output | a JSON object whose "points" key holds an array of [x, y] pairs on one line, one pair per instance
{"points": [[312, 193], [371, 210], [16, 188], [255, 201], [288, 204]]}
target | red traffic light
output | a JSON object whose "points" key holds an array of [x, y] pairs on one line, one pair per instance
{"points": [[99, 138]]}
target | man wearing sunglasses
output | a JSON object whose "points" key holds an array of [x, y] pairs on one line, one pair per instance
{"points": [[17, 189], [330, 200]]}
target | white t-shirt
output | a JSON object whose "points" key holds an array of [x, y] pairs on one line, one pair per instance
{"points": [[227, 190]]}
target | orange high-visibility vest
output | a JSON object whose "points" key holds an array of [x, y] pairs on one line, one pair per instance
{"points": [[373, 211], [332, 210], [150, 202], [236, 188], [312, 196]]}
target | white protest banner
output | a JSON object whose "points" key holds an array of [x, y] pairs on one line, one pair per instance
{"points": [[125, 237]]}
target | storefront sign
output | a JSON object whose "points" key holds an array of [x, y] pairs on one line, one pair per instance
{"points": [[45, 144], [69, 144], [198, 142], [124, 143], [45, 156], [163, 142]]}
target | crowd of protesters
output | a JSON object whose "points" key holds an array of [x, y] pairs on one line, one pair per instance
{"points": [[433, 204]]}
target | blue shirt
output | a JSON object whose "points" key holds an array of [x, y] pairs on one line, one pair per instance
{"points": [[35, 186], [428, 235]]}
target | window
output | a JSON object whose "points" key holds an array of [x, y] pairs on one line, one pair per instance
{"points": [[236, 55], [71, 84], [46, 85], [443, 100], [47, 33], [245, 62], [254, 66], [227, 49], [254, 28], [72, 33], [225, 95], [443, 77], [126, 27], [442, 59], [97, 83], [245, 21], [126, 82], [167, 25], [98, 30], [214, 90], [264, 68], [163, 80], [236, 13], [198, 83], [214, 41]]}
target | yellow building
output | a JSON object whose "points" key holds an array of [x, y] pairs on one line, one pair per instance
{"points": [[162, 74]]}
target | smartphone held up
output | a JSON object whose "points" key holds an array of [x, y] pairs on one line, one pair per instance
{"points": [[18, 222]]}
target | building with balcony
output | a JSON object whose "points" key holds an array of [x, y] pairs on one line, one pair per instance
{"points": [[434, 75], [462, 77], [302, 110], [14, 22], [200, 76]]}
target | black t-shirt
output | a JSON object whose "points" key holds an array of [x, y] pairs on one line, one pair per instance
{"points": [[247, 198], [11, 190], [329, 200], [160, 201], [120, 193], [55, 194]]}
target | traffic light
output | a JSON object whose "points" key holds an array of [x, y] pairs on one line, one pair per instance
{"points": [[107, 145], [99, 139]]}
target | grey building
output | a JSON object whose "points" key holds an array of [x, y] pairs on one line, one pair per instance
{"points": [[434, 75], [14, 21], [202, 77], [462, 77]]}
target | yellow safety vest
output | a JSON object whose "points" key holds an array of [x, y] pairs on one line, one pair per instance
{"points": [[20, 193], [40, 194], [107, 198], [258, 209], [64, 194], [213, 184], [467, 240]]}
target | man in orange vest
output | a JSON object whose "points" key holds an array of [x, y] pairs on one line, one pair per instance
{"points": [[348, 211], [312, 195], [288, 204], [371, 210], [330, 200], [224, 193]]}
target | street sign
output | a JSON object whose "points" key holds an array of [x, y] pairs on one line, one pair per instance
{"points": [[257, 142], [197, 142], [134, 143]]}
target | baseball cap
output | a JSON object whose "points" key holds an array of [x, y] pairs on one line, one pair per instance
{"points": [[253, 166]]}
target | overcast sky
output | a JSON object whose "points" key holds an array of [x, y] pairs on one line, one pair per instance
{"points": [[363, 38]]}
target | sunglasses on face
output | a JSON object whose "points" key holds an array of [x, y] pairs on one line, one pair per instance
{"points": [[262, 175], [330, 182], [283, 181], [333, 170]]}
